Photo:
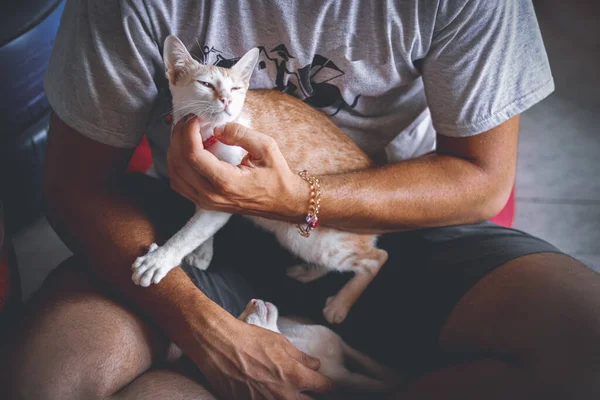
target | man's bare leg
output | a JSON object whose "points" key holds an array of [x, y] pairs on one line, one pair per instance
{"points": [[77, 343], [529, 330], [163, 384]]}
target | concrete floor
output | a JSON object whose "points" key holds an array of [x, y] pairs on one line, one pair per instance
{"points": [[558, 185]]}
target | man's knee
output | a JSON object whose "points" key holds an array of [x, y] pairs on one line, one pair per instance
{"points": [[78, 344], [560, 327], [570, 354], [541, 311], [80, 358]]}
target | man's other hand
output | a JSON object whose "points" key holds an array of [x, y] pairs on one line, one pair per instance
{"points": [[246, 362]]}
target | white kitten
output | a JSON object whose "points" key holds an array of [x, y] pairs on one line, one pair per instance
{"points": [[321, 342], [216, 95], [216, 98]]}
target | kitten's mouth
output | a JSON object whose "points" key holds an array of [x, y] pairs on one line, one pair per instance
{"points": [[270, 309], [264, 308]]}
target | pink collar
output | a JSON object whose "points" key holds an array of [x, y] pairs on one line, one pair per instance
{"points": [[209, 142]]}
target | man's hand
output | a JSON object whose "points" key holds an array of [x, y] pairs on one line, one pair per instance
{"points": [[261, 185], [243, 361]]}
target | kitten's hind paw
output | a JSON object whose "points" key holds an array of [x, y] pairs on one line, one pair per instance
{"points": [[152, 267], [197, 261], [201, 257], [335, 311]]}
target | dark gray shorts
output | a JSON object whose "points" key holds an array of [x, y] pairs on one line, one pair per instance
{"points": [[399, 317]]}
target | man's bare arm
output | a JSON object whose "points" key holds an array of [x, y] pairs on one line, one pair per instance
{"points": [[88, 207], [466, 180]]}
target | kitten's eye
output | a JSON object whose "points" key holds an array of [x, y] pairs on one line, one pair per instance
{"points": [[208, 85], [236, 88]]}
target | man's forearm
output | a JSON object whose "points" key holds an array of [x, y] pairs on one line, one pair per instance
{"points": [[109, 231], [434, 190], [467, 180]]}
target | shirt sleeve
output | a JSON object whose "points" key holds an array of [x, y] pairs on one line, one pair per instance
{"points": [[100, 79], [486, 64]]}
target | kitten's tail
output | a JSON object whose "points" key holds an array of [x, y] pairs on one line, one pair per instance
{"points": [[382, 373]]}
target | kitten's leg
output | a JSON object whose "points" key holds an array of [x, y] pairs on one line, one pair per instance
{"points": [[153, 266], [365, 267], [334, 250], [201, 256], [307, 272], [371, 366]]}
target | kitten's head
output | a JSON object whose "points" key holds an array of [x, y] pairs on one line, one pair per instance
{"points": [[261, 313], [214, 94]]}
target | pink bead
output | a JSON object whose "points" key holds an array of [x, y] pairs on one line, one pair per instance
{"points": [[312, 221]]}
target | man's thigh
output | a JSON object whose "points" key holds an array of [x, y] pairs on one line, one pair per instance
{"points": [[399, 317], [74, 339]]}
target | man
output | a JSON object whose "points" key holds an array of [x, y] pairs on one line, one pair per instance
{"points": [[465, 309]]}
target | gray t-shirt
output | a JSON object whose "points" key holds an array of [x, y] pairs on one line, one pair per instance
{"points": [[381, 68]]}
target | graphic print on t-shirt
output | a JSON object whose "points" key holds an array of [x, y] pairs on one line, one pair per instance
{"points": [[312, 81]]}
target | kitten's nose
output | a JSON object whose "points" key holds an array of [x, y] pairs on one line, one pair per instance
{"points": [[225, 101]]}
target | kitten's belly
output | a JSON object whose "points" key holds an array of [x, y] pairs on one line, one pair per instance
{"points": [[317, 341], [314, 249], [284, 232]]}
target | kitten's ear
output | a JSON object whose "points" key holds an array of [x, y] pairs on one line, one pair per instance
{"points": [[177, 59], [245, 66]]}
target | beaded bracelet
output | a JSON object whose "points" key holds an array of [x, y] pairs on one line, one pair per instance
{"points": [[312, 217]]}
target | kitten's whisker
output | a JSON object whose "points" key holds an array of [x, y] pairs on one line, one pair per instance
{"points": [[190, 107]]}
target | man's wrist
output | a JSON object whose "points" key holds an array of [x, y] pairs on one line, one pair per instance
{"points": [[213, 332], [192, 319], [297, 199]]}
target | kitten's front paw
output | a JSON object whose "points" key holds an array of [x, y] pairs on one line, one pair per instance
{"points": [[153, 266], [335, 310]]}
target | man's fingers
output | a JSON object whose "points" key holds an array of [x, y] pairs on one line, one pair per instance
{"points": [[311, 362], [182, 187], [207, 165], [306, 360], [259, 145], [188, 143], [312, 380], [189, 184], [316, 382], [182, 177], [189, 127]]}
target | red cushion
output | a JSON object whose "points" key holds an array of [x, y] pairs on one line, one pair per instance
{"points": [[507, 215], [142, 157], [142, 160]]}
